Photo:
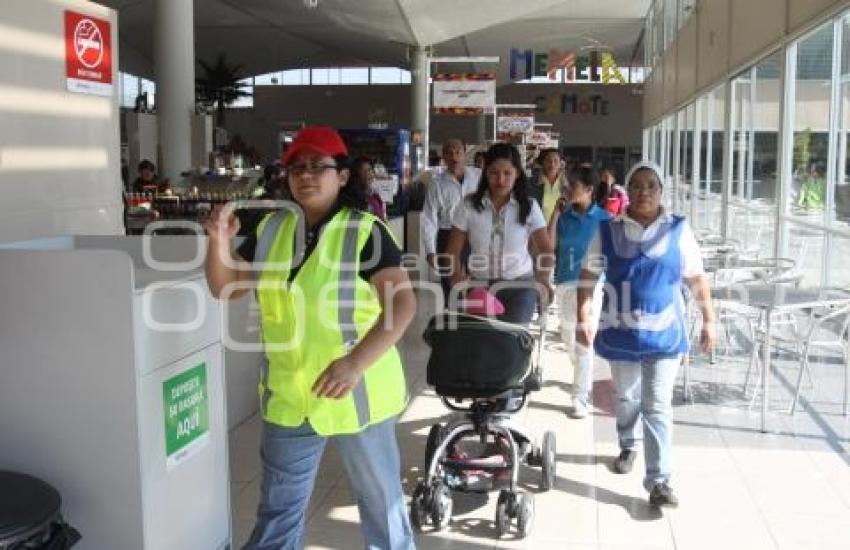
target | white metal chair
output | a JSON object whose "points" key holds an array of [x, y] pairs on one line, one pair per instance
{"points": [[826, 328]]}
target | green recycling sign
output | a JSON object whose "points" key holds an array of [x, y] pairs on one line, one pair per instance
{"points": [[187, 420]]}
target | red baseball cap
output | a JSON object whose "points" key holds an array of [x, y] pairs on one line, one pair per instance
{"points": [[319, 139]]}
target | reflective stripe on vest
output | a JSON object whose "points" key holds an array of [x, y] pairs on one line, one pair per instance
{"points": [[346, 304], [264, 242], [350, 303]]}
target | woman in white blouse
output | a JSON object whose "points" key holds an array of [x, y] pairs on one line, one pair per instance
{"points": [[502, 224]]}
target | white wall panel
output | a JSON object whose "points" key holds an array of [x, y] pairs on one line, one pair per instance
{"points": [[670, 76], [686, 61], [712, 41], [800, 12], [755, 25], [59, 151]]}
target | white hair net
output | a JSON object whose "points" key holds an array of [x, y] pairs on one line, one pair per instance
{"points": [[644, 165]]}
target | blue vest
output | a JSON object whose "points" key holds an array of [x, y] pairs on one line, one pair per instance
{"points": [[575, 231], [643, 315]]}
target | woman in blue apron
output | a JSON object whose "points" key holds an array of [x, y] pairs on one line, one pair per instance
{"points": [[646, 255]]}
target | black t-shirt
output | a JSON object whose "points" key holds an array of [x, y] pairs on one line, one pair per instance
{"points": [[389, 254]]}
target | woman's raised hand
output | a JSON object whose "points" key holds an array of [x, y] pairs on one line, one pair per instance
{"points": [[222, 225]]}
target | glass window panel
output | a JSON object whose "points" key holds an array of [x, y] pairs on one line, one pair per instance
{"points": [[813, 86], [129, 90], [708, 212], [405, 76], [755, 226], [839, 251], [268, 79], [149, 86], [755, 149], [665, 145], [354, 75], [718, 136], [686, 146], [386, 75], [669, 143], [637, 75], [741, 88], [806, 246], [296, 77], [320, 76], [334, 75], [762, 173], [656, 144]]}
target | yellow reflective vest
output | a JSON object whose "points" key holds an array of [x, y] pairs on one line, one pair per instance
{"points": [[317, 318]]}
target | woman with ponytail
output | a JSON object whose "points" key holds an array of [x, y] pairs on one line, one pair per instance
{"points": [[573, 224]]}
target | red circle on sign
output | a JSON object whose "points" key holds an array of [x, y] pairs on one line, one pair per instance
{"points": [[88, 43]]}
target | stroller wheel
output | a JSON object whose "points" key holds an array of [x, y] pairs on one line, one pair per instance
{"points": [[547, 461], [441, 507], [435, 437], [524, 514], [419, 512], [538, 378], [503, 512]]}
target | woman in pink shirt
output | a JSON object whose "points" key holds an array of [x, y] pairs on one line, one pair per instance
{"points": [[363, 167], [617, 200]]}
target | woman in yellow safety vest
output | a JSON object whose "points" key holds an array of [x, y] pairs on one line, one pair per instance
{"points": [[333, 301]]}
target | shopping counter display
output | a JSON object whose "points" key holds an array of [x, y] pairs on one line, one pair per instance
{"points": [[112, 388]]}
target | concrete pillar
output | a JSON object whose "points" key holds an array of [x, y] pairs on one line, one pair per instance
{"points": [[174, 67], [419, 96]]}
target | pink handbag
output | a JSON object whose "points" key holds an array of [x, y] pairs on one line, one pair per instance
{"points": [[480, 302]]}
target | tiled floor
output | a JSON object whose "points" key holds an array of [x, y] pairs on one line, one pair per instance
{"points": [[739, 488]]}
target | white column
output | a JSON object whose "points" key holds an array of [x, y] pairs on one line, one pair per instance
{"points": [[696, 144], [728, 151], [787, 107], [419, 97], [174, 67]]}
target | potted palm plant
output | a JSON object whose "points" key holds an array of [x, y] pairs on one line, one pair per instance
{"points": [[219, 86]]}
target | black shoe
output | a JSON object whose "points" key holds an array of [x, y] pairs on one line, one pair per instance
{"points": [[623, 463], [663, 495]]}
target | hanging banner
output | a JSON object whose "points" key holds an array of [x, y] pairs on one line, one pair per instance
{"points": [[464, 93], [543, 140], [88, 54], [515, 124]]}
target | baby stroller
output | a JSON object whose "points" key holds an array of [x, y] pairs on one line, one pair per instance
{"points": [[483, 369]]}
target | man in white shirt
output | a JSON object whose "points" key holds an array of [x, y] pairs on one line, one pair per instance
{"points": [[445, 192]]}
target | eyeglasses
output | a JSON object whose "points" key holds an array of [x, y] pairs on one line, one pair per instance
{"points": [[312, 168], [652, 188]]}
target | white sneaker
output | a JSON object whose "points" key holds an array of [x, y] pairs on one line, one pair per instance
{"points": [[578, 409]]}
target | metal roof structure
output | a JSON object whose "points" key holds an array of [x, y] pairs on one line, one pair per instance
{"points": [[273, 35]]}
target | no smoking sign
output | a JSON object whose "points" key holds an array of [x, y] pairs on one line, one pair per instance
{"points": [[88, 54]]}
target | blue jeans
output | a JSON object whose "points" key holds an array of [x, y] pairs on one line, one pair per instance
{"points": [[291, 459], [520, 300], [645, 392]]}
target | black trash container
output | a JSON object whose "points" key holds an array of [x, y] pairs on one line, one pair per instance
{"points": [[30, 517]]}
